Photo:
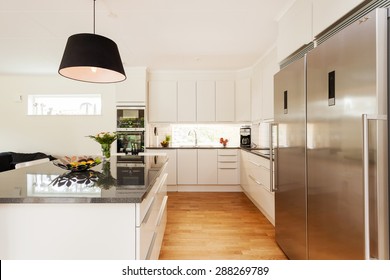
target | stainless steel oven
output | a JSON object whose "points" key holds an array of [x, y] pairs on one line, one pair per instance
{"points": [[130, 129], [130, 118]]}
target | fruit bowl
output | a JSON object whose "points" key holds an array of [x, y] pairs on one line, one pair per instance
{"points": [[77, 163]]}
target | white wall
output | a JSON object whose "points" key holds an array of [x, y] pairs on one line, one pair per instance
{"points": [[56, 135]]}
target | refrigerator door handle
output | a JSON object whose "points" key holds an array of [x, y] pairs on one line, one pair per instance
{"points": [[366, 118], [273, 155]]}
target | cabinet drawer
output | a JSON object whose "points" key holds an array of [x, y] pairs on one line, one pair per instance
{"points": [[155, 246], [228, 176], [152, 222], [144, 207], [258, 160], [227, 158], [227, 165], [227, 152]]}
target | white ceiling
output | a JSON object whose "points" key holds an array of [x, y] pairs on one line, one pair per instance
{"points": [[158, 34]]}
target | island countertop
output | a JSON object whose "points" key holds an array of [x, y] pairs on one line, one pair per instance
{"points": [[122, 179]]}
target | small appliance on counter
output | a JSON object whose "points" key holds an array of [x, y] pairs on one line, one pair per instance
{"points": [[245, 137]]}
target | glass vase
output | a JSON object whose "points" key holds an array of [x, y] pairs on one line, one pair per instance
{"points": [[106, 150]]}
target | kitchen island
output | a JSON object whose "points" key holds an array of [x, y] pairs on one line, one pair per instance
{"points": [[116, 210]]}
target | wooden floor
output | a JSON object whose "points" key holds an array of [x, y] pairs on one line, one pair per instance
{"points": [[217, 226]]}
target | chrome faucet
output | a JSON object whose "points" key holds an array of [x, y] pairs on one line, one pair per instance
{"points": [[195, 136]]}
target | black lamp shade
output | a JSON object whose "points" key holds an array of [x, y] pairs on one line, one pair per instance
{"points": [[92, 58]]}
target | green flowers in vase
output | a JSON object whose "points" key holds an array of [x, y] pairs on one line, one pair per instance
{"points": [[105, 139]]}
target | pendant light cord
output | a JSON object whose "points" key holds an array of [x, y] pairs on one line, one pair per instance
{"points": [[94, 16]]}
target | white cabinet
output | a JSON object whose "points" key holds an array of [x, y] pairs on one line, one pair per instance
{"points": [[243, 100], [187, 166], [186, 101], [207, 166], [256, 183], [270, 67], [263, 88], [256, 102], [295, 28], [326, 12], [205, 101], [163, 101], [225, 101], [207, 169], [151, 219], [228, 167]]}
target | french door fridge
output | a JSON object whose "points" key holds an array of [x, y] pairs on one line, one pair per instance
{"points": [[338, 182]]}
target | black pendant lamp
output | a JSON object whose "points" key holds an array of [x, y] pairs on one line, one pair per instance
{"points": [[92, 58]]}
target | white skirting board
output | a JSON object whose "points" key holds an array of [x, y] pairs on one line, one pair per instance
{"points": [[204, 188]]}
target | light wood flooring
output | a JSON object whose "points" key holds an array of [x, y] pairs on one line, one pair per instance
{"points": [[217, 226]]}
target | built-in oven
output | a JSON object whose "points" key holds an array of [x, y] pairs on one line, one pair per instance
{"points": [[130, 129], [131, 171], [130, 142], [130, 118]]}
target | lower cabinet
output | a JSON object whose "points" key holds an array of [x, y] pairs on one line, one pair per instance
{"points": [[256, 183], [208, 169], [228, 167], [187, 166], [207, 166]]}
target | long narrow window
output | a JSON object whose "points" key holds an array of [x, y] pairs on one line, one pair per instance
{"points": [[71, 104]]}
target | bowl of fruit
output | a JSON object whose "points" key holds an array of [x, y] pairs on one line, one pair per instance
{"points": [[77, 163]]}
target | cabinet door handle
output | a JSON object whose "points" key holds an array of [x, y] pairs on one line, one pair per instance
{"points": [[147, 215], [256, 181], [255, 163], [162, 210], [151, 246], [162, 182]]}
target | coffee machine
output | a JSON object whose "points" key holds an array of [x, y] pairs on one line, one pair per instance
{"points": [[245, 137]]}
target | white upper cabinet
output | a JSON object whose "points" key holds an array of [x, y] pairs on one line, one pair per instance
{"points": [[295, 28], [243, 100], [225, 99], [163, 101], [326, 12], [186, 101], [306, 19], [270, 68], [256, 104], [205, 101], [133, 89]]}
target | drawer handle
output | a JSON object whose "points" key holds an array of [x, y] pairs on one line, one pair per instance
{"points": [[255, 163], [151, 246], [227, 167], [162, 210], [162, 182], [145, 220], [253, 179]]}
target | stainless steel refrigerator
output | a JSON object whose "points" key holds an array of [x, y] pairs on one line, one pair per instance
{"points": [[331, 157]]}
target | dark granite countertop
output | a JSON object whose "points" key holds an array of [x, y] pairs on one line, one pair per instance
{"points": [[192, 147], [263, 152], [123, 179]]}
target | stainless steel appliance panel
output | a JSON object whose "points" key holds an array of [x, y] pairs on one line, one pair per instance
{"points": [[344, 81], [290, 181]]}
